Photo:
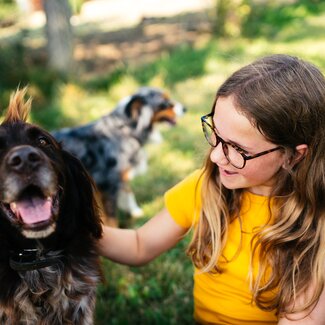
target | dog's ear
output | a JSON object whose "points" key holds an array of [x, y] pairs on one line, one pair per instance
{"points": [[139, 113], [133, 107], [79, 197]]}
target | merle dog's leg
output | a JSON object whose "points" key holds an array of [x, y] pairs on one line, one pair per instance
{"points": [[126, 201]]}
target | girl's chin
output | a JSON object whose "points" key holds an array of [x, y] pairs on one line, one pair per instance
{"points": [[230, 179]]}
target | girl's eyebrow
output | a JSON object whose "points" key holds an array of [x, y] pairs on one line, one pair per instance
{"points": [[239, 146]]}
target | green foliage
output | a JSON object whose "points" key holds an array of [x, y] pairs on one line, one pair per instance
{"points": [[13, 70], [268, 17], [251, 18], [18, 69], [76, 5], [8, 13], [230, 16], [180, 64], [12, 65], [106, 82]]}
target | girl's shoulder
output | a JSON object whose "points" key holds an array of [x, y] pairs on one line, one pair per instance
{"points": [[191, 183], [183, 201]]}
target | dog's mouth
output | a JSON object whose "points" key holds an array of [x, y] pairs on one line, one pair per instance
{"points": [[33, 211], [170, 114], [169, 120], [167, 116]]}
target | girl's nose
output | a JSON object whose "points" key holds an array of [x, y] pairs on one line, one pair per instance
{"points": [[217, 156]]}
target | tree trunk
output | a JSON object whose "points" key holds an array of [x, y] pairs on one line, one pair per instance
{"points": [[221, 14], [59, 35]]}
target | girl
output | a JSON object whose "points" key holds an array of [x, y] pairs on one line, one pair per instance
{"points": [[257, 206]]}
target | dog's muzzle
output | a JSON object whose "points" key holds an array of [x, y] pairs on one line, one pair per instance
{"points": [[29, 196]]}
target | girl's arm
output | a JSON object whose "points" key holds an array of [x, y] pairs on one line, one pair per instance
{"points": [[139, 246], [316, 316]]}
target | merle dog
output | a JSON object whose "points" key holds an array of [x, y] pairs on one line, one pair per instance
{"points": [[111, 148]]}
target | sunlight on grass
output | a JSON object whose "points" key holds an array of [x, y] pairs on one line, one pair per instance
{"points": [[80, 106], [152, 207], [127, 85]]}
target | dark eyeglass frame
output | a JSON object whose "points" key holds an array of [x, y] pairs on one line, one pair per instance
{"points": [[225, 144]]}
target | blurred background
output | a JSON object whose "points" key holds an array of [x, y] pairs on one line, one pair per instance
{"points": [[79, 58]]}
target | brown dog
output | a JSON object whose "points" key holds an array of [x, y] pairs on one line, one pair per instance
{"points": [[49, 224]]}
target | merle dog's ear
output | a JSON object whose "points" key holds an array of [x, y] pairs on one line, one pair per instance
{"points": [[133, 107], [80, 199]]}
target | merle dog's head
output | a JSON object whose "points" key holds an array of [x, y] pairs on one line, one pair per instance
{"points": [[148, 106], [44, 191]]}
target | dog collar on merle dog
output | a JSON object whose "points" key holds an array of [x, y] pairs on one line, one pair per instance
{"points": [[32, 259]]}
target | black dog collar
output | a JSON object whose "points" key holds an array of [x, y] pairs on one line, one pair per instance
{"points": [[32, 259]]}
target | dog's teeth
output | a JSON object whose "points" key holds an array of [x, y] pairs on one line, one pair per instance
{"points": [[13, 206]]}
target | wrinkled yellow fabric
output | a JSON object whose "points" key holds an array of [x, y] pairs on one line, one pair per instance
{"points": [[223, 298]]}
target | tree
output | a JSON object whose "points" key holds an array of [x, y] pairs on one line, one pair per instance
{"points": [[59, 35], [230, 15]]}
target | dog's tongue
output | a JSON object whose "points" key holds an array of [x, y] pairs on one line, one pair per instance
{"points": [[33, 210]]}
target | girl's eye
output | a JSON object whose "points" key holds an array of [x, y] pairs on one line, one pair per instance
{"points": [[240, 150]]}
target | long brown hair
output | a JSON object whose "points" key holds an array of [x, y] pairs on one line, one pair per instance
{"points": [[284, 98]]}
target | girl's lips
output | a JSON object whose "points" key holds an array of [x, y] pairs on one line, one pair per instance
{"points": [[226, 172]]}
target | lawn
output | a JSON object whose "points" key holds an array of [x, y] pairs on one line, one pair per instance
{"points": [[161, 292]]}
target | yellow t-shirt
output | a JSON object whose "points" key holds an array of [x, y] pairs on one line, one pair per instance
{"points": [[223, 298]]}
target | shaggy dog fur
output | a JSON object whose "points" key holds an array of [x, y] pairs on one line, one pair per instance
{"points": [[49, 224]]}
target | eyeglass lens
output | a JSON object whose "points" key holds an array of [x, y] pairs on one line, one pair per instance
{"points": [[232, 155]]}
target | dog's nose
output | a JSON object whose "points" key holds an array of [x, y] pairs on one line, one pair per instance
{"points": [[24, 158]]}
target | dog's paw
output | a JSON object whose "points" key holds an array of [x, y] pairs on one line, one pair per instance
{"points": [[137, 213], [127, 202], [155, 137]]}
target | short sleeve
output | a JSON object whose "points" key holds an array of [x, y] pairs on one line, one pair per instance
{"points": [[183, 201]]}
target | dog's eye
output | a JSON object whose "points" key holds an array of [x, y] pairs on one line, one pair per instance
{"points": [[43, 141], [165, 105]]}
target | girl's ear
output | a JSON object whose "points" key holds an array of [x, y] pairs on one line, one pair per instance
{"points": [[301, 151], [298, 155]]}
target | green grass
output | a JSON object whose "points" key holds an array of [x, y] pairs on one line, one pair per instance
{"points": [[161, 292], [8, 13]]}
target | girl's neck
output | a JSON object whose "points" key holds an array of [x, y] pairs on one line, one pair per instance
{"points": [[259, 191]]}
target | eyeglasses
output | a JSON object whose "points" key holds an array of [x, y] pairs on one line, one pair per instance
{"points": [[234, 154]]}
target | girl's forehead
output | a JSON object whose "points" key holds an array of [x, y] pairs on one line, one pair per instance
{"points": [[232, 125]]}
